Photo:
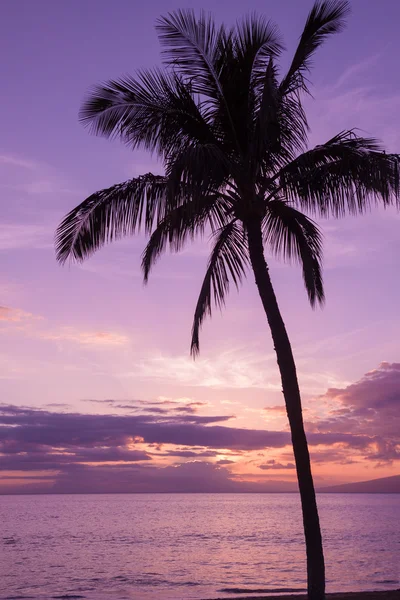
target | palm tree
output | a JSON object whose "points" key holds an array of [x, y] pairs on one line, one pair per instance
{"points": [[232, 135]]}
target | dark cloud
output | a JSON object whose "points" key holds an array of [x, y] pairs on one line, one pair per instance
{"points": [[273, 465], [157, 410], [338, 456], [55, 429], [65, 430], [85, 452], [193, 476], [189, 477], [370, 407], [160, 407], [190, 453], [94, 401], [185, 409], [41, 458]]}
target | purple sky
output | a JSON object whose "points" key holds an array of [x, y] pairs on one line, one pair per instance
{"points": [[93, 332]]}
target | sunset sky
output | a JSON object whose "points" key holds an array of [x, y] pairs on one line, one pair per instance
{"points": [[98, 390]]}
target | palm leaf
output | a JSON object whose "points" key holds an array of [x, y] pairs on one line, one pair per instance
{"points": [[203, 55], [257, 40], [269, 116], [183, 223], [281, 128], [325, 18], [228, 259], [295, 237], [347, 175], [156, 110], [204, 167], [281, 133], [111, 214], [252, 42], [194, 47]]}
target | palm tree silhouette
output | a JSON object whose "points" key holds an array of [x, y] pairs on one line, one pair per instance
{"points": [[232, 136]]}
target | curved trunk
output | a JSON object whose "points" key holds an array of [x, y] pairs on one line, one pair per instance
{"points": [[291, 392]]}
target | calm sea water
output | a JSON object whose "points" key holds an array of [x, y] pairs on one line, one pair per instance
{"points": [[190, 546]]}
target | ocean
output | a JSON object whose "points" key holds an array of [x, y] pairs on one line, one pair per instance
{"points": [[190, 546]]}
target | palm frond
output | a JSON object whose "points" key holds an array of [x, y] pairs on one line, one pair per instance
{"points": [[194, 47], [281, 132], [256, 41], [202, 166], [259, 39], [292, 235], [228, 260], [347, 175], [281, 127], [183, 223], [267, 114], [325, 18], [111, 214], [269, 123], [155, 110], [293, 129], [203, 55]]}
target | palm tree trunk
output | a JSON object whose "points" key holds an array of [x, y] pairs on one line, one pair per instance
{"points": [[291, 392]]}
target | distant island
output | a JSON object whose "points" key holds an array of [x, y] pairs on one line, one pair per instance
{"points": [[384, 485]]}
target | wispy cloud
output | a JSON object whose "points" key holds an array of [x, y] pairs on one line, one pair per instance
{"points": [[35, 326], [122, 267], [28, 224], [16, 161], [351, 74], [15, 315], [86, 338], [355, 101], [226, 370], [9, 291], [15, 236], [22, 174]]}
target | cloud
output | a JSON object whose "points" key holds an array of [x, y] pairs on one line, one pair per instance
{"points": [[193, 454], [371, 407], [86, 338], [30, 225], [14, 236], [227, 370], [15, 161], [15, 315], [66, 430], [39, 459], [189, 477], [362, 105], [67, 453], [160, 407], [273, 465], [133, 452], [32, 177], [234, 369], [276, 409], [193, 476], [23, 321], [338, 456], [364, 66]]}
